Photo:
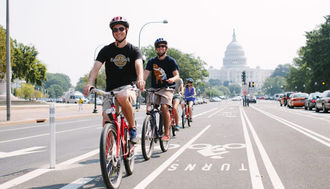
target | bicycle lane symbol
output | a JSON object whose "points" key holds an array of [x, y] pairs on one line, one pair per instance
{"points": [[216, 151]]}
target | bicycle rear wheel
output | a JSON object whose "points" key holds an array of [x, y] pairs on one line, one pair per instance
{"points": [[183, 118], [172, 125], [148, 137], [129, 159], [110, 157]]}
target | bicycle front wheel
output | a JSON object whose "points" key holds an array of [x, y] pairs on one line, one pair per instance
{"points": [[148, 137], [129, 159], [164, 144], [111, 157], [183, 118]]}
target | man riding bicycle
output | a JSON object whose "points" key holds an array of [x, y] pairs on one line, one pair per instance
{"points": [[190, 94], [177, 99], [123, 66], [164, 73]]}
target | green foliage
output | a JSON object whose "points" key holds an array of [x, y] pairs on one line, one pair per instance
{"points": [[55, 91], [59, 79], [274, 85], [281, 70], [3, 52], [26, 91], [235, 89], [26, 65], [311, 68], [100, 84], [215, 82]]}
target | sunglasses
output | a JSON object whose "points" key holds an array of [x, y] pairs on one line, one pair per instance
{"points": [[114, 30], [161, 46]]}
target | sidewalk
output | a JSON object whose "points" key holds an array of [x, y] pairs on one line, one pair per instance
{"points": [[27, 114]]}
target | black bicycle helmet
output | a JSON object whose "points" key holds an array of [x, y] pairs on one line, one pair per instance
{"points": [[190, 80], [160, 40], [118, 20]]}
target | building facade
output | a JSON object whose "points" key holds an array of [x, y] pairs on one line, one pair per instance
{"points": [[234, 63]]}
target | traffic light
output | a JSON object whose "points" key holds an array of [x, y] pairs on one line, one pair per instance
{"points": [[323, 83], [249, 84], [252, 84], [244, 77]]}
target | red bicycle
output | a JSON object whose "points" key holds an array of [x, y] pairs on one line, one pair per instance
{"points": [[186, 117], [115, 147]]}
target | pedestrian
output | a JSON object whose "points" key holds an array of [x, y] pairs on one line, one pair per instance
{"points": [[80, 103]]}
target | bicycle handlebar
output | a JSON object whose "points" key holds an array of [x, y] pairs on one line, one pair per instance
{"points": [[106, 93]]}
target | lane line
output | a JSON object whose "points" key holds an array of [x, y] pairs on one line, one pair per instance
{"points": [[200, 114], [77, 183], [276, 181], [145, 182], [46, 134], [33, 174], [307, 132], [253, 166], [211, 115]]}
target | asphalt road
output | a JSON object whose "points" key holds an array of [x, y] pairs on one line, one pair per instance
{"points": [[228, 146]]}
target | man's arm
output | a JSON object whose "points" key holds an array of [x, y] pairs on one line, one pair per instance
{"points": [[146, 75], [92, 76], [175, 77], [139, 72]]}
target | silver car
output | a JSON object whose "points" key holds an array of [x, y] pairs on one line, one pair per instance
{"points": [[323, 102]]}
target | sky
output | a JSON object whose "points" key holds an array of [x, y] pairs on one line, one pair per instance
{"points": [[69, 33]]}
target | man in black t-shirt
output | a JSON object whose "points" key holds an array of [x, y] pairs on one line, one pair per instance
{"points": [[123, 66], [164, 73]]}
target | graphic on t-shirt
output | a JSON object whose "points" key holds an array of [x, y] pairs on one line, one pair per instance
{"points": [[160, 74], [120, 60]]}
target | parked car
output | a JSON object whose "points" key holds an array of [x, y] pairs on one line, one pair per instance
{"points": [[297, 100], [285, 98], [323, 102], [252, 99], [311, 100], [237, 98]]}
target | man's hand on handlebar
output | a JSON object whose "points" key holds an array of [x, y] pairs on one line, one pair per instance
{"points": [[87, 89]]}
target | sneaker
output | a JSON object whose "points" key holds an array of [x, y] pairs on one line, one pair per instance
{"points": [[166, 138], [190, 119], [133, 137], [177, 127]]}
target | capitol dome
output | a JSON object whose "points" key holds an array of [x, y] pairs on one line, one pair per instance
{"points": [[234, 55]]}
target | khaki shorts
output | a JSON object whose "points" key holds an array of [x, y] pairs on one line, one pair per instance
{"points": [[126, 92], [164, 96]]}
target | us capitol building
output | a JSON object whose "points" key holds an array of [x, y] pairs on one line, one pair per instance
{"points": [[234, 63]]}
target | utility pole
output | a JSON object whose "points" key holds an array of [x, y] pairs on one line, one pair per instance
{"points": [[8, 66]]}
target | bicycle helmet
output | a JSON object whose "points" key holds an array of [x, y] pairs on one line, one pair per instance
{"points": [[190, 80], [160, 40], [118, 20]]}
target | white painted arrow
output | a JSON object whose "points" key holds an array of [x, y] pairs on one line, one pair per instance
{"points": [[22, 151]]}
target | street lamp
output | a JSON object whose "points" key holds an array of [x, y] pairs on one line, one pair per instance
{"points": [[164, 22], [95, 82]]}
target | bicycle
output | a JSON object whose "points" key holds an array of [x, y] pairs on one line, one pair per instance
{"points": [[186, 118], [115, 148], [172, 123], [151, 131]]}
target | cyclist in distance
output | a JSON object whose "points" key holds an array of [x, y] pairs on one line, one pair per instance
{"points": [[177, 99], [190, 94], [164, 73], [123, 66]]}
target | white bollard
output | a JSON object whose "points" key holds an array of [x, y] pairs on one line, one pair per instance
{"points": [[52, 126]]}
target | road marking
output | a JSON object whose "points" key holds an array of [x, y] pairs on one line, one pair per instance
{"points": [[276, 181], [33, 174], [200, 114], [77, 183], [211, 115], [46, 134], [253, 166], [22, 151], [145, 182], [298, 128]]}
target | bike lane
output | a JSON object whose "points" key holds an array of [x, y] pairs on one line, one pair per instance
{"points": [[217, 158]]}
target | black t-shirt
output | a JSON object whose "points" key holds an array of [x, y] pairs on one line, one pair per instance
{"points": [[161, 70], [119, 64]]}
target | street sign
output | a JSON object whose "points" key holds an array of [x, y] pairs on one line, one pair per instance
{"points": [[245, 90]]}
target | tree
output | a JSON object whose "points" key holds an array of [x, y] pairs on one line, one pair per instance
{"points": [[274, 85], [58, 78], [215, 82], [3, 52], [26, 91], [235, 89], [311, 67], [281, 70], [55, 91], [100, 84]]}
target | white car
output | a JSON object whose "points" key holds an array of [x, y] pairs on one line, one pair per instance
{"points": [[237, 98]]}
